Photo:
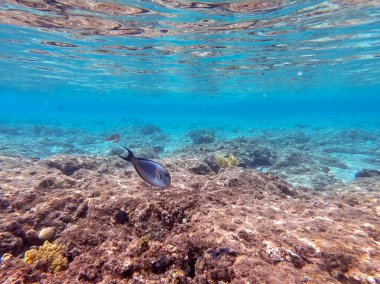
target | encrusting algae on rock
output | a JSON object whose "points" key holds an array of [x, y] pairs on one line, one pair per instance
{"points": [[226, 161], [47, 257]]}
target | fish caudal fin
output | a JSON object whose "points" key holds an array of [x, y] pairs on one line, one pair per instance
{"points": [[129, 156]]}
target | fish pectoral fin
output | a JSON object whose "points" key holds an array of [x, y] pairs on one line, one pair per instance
{"points": [[158, 175]]}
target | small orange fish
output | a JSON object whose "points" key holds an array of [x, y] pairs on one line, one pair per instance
{"points": [[114, 138]]}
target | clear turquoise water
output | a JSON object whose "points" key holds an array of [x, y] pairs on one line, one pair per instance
{"points": [[240, 71]]}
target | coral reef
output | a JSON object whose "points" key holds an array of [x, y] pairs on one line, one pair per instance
{"points": [[157, 149], [236, 225], [69, 166], [48, 257], [150, 130], [303, 155], [201, 136], [225, 161], [201, 168], [367, 173], [297, 158], [114, 138]]}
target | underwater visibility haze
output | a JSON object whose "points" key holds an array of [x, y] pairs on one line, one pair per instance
{"points": [[265, 117]]}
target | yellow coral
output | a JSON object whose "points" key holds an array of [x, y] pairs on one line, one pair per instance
{"points": [[178, 276], [144, 242], [227, 161], [49, 256]]}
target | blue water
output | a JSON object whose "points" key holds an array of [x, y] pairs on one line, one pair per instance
{"points": [[242, 71]]}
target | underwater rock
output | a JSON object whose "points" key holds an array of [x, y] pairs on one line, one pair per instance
{"points": [[81, 211], [201, 136], [89, 273], [46, 234], [114, 138], [158, 149], [297, 138], [300, 168], [333, 162], [55, 182], [31, 236], [4, 203], [160, 137], [287, 189], [367, 173], [160, 265], [219, 263], [46, 183], [10, 243], [68, 166], [12, 233], [121, 217], [201, 169], [259, 157], [212, 163], [348, 150], [150, 130], [354, 135], [292, 159], [124, 267], [216, 253]]}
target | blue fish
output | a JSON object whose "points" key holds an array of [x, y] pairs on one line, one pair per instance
{"points": [[150, 171]]}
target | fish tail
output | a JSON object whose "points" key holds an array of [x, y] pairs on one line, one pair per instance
{"points": [[130, 155]]}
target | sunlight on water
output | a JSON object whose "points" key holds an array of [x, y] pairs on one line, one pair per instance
{"points": [[188, 47]]}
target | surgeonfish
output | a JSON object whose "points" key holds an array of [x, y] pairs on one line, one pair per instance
{"points": [[150, 171]]}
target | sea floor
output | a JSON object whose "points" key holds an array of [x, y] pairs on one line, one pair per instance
{"points": [[259, 206], [236, 226]]}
